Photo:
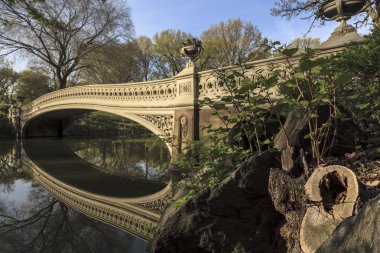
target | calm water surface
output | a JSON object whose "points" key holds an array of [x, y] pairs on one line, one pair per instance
{"points": [[31, 220]]}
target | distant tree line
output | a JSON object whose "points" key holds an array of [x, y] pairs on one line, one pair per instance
{"points": [[70, 42]]}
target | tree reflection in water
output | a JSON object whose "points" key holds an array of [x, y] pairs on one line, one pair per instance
{"points": [[10, 169], [43, 224], [144, 159]]}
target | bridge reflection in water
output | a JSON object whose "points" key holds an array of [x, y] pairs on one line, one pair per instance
{"points": [[131, 204]]}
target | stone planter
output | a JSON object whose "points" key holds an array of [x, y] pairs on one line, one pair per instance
{"points": [[342, 9], [191, 51]]}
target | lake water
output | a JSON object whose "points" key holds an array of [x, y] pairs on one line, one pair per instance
{"points": [[32, 220]]}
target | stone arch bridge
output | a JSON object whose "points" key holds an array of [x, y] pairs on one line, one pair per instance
{"points": [[166, 107]]}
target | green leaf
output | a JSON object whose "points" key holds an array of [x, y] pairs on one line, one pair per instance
{"points": [[343, 79], [219, 106], [299, 75], [289, 51], [280, 108], [246, 81], [226, 99], [305, 64], [362, 106], [316, 69], [266, 142]]}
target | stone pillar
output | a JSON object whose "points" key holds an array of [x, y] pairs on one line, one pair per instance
{"points": [[186, 118]]}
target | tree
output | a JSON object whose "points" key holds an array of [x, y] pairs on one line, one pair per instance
{"points": [[303, 43], [311, 9], [167, 46], [8, 78], [145, 56], [231, 43], [62, 33], [114, 63], [32, 84]]}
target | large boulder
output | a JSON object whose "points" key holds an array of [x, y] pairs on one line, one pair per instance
{"points": [[236, 216], [360, 233]]}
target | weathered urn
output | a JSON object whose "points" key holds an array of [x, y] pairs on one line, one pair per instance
{"points": [[191, 49], [342, 9]]}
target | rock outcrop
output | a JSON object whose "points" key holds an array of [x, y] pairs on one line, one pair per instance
{"points": [[236, 216], [360, 233], [263, 206]]}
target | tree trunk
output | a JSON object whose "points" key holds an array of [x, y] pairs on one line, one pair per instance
{"points": [[333, 191]]}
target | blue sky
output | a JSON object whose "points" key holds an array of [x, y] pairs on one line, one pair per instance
{"points": [[195, 16]]}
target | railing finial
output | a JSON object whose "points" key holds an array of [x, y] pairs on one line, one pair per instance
{"points": [[191, 51]]}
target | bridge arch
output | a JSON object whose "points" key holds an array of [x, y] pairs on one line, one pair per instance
{"points": [[159, 123]]}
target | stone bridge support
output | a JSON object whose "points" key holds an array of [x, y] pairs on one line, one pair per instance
{"points": [[186, 116]]}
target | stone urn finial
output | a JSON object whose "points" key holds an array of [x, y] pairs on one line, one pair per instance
{"points": [[340, 11], [191, 50]]}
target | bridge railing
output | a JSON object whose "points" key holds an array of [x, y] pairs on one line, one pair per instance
{"points": [[211, 86], [151, 93]]}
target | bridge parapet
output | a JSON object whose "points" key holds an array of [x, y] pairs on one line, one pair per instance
{"points": [[212, 87], [155, 93]]}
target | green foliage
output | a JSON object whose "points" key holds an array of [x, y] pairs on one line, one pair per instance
{"points": [[303, 43], [6, 128], [310, 89], [317, 89], [243, 107], [231, 43], [113, 63], [31, 85], [167, 46], [8, 78], [102, 123], [361, 94], [4, 110]]}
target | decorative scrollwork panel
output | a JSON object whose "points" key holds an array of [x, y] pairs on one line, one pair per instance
{"points": [[163, 122]]}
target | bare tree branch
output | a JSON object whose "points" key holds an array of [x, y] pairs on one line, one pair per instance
{"points": [[61, 33]]}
